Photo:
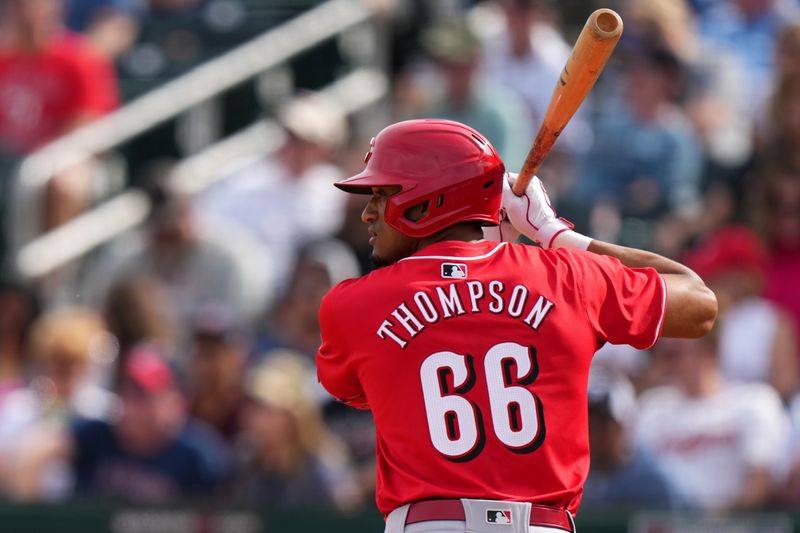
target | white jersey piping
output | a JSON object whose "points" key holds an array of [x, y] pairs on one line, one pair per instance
{"points": [[663, 311], [455, 258]]}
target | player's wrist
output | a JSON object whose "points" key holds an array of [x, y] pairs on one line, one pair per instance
{"points": [[568, 238], [558, 233]]}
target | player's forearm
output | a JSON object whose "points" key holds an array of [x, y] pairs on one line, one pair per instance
{"points": [[635, 258], [691, 307]]}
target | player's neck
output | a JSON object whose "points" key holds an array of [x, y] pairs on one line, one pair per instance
{"points": [[466, 232]]}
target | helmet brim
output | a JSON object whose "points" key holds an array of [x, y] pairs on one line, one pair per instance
{"points": [[362, 183]]}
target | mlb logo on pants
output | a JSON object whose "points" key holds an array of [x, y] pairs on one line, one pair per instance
{"points": [[498, 517], [454, 270]]}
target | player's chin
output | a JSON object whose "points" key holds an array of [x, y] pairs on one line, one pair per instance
{"points": [[379, 261]]}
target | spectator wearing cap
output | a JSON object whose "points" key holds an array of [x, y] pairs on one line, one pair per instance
{"points": [[193, 267], [621, 476], [490, 108], [285, 199], [67, 347], [720, 441], [289, 458], [219, 350], [756, 338], [151, 453]]}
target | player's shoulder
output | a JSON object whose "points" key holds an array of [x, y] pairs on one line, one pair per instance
{"points": [[353, 291]]}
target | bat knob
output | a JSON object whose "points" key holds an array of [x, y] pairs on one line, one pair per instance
{"points": [[605, 23]]}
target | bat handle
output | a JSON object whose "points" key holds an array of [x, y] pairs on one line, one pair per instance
{"points": [[532, 163]]}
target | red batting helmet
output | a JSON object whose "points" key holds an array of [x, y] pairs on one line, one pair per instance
{"points": [[447, 165]]}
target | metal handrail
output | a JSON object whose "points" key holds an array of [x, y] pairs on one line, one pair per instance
{"points": [[191, 176], [172, 99]]}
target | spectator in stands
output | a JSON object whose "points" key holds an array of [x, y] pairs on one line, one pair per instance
{"points": [[714, 94], [219, 352], [286, 199], [111, 25], [788, 493], [152, 453], [51, 81], [467, 98], [756, 338], [645, 159], [718, 440], [193, 269], [788, 49], [294, 322], [291, 459], [138, 310], [778, 217], [65, 348], [19, 307], [621, 476], [783, 140], [525, 53], [749, 29]]}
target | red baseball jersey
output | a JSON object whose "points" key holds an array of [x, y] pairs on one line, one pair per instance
{"points": [[474, 359]]}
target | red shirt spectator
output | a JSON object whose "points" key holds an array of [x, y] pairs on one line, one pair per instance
{"points": [[50, 79], [46, 92]]}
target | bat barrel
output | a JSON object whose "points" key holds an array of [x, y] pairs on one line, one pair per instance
{"points": [[600, 34]]}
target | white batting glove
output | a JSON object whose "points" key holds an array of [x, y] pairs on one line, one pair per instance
{"points": [[532, 215], [505, 232]]}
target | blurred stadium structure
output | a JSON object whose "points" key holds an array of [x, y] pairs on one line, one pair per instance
{"points": [[189, 95], [702, 97]]}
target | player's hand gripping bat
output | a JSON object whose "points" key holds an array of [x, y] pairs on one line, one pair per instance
{"points": [[590, 54]]}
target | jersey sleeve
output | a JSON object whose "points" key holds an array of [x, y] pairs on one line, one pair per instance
{"points": [[624, 305], [335, 369]]}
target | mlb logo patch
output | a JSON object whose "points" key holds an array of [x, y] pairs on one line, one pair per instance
{"points": [[494, 516], [454, 270]]}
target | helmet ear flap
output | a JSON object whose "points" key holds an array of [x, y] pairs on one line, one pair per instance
{"points": [[417, 212]]}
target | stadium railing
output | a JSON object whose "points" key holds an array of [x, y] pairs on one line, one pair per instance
{"points": [[36, 253]]}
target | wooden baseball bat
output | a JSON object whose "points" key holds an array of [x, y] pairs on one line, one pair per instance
{"points": [[589, 55]]}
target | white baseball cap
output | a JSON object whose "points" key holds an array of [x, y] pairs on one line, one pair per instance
{"points": [[316, 119]]}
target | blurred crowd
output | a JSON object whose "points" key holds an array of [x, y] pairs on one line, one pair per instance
{"points": [[175, 363]]}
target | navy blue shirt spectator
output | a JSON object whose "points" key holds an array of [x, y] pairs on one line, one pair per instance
{"points": [[640, 483], [152, 453], [184, 466]]}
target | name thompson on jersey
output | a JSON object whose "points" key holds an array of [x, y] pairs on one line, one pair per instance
{"points": [[428, 307]]}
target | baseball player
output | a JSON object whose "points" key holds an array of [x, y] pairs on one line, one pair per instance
{"points": [[473, 354]]}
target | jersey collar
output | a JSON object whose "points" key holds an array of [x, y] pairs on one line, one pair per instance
{"points": [[461, 250]]}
